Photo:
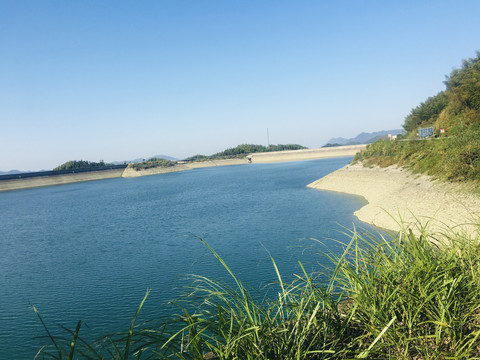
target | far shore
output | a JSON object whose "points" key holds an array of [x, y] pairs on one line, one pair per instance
{"points": [[26, 183], [268, 157], [394, 195]]}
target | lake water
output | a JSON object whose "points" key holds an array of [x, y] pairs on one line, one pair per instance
{"points": [[91, 250]]}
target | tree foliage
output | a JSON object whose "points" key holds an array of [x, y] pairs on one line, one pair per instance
{"points": [[426, 112], [81, 164], [457, 106], [456, 155], [152, 163], [246, 149]]}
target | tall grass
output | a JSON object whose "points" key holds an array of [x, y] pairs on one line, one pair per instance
{"points": [[406, 295], [453, 158]]}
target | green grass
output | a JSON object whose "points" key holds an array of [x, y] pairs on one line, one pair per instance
{"points": [[406, 295], [452, 158]]}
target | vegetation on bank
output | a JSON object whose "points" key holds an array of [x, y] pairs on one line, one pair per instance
{"points": [[454, 153], [397, 296], [239, 151], [245, 149], [152, 163], [452, 158], [456, 107], [81, 164]]}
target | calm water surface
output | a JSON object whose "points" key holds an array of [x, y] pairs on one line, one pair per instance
{"points": [[90, 250]]}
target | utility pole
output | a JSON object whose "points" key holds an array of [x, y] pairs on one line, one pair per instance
{"points": [[268, 139]]}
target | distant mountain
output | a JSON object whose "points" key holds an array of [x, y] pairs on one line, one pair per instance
{"points": [[363, 138], [11, 172], [138, 160], [166, 157]]}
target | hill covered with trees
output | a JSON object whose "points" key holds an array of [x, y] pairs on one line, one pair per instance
{"points": [[454, 152], [245, 149], [456, 107], [152, 163], [81, 164]]}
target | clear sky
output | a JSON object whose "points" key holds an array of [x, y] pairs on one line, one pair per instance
{"points": [[119, 80]]}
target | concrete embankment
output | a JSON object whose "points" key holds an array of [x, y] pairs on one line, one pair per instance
{"points": [[131, 172], [31, 182], [222, 162], [306, 154], [277, 156]]}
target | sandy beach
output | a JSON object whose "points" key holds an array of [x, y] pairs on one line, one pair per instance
{"points": [[394, 193]]}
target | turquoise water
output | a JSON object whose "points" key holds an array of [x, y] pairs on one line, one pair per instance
{"points": [[90, 250]]}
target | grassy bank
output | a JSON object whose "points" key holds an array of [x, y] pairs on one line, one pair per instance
{"points": [[452, 158], [453, 154], [397, 296]]}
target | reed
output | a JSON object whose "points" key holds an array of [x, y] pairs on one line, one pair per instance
{"points": [[406, 295]]}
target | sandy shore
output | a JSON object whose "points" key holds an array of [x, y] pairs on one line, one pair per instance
{"points": [[394, 193]]}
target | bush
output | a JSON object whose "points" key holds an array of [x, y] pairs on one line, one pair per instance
{"points": [[81, 164], [152, 163]]}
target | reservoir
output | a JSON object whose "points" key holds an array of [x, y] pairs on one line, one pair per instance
{"points": [[91, 250]]}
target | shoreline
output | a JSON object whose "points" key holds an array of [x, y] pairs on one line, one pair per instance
{"points": [[395, 194], [41, 181], [306, 154], [268, 157]]}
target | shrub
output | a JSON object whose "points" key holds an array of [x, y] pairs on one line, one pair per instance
{"points": [[152, 163]]}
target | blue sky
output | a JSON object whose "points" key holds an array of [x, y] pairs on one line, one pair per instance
{"points": [[118, 80]]}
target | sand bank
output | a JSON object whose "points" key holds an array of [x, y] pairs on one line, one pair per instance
{"points": [[306, 154], [17, 184], [395, 192]]}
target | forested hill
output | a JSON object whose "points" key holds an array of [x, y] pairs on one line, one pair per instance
{"points": [[81, 164], [456, 107], [453, 153], [246, 149]]}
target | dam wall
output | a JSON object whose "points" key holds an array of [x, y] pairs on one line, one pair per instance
{"points": [[306, 154], [22, 182]]}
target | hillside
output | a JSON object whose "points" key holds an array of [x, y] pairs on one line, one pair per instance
{"points": [[245, 149], [453, 153], [453, 109], [81, 164]]}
